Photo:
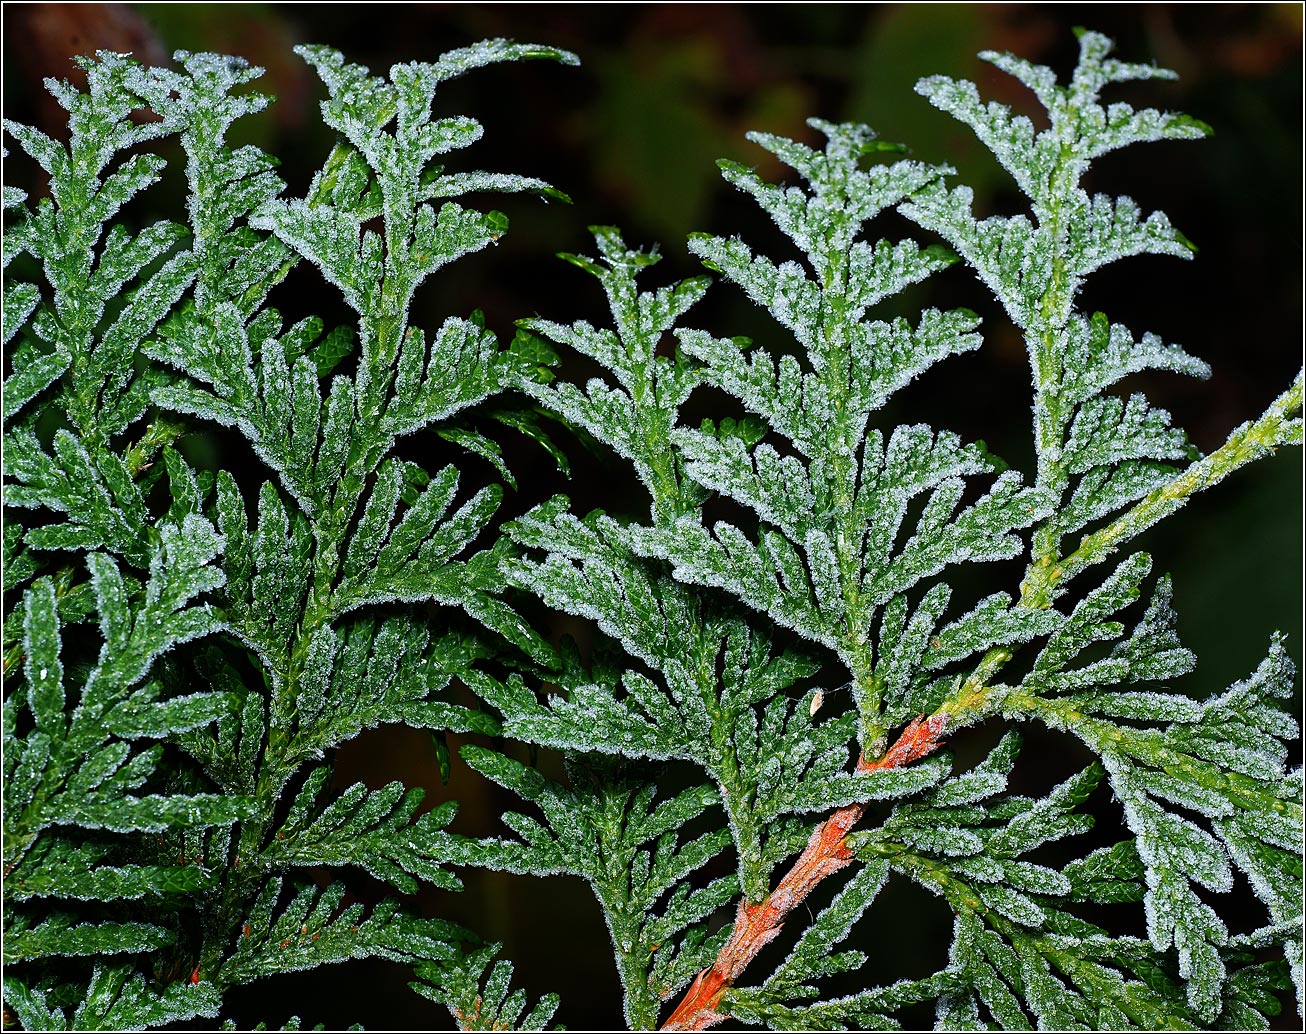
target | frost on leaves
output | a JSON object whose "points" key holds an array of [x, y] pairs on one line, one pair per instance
{"points": [[857, 526], [767, 696], [147, 781]]}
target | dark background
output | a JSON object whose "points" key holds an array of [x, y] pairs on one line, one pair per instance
{"points": [[632, 135]]}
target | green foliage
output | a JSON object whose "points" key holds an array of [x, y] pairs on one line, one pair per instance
{"points": [[474, 988], [143, 783], [610, 829], [187, 649], [114, 998], [314, 928], [857, 525]]}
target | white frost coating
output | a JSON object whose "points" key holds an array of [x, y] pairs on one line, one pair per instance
{"points": [[835, 507], [830, 400]]}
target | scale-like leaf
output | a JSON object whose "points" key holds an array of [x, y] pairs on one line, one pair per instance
{"points": [[375, 831], [116, 998], [476, 989], [313, 929]]}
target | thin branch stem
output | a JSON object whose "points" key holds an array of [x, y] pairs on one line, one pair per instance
{"points": [[1251, 441], [825, 854]]}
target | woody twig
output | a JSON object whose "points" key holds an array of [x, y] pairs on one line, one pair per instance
{"points": [[825, 854]]}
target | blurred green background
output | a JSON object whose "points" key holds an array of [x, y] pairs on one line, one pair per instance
{"points": [[632, 136]]}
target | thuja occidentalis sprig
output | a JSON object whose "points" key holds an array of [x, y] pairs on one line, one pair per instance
{"points": [[248, 626], [187, 648]]}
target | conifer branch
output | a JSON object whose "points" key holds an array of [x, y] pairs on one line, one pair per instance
{"points": [[186, 649], [1279, 425], [90, 748], [757, 924]]}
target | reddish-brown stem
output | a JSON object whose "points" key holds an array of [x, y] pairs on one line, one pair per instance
{"points": [[757, 925]]}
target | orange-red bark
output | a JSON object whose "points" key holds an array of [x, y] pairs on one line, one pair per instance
{"points": [[826, 853]]}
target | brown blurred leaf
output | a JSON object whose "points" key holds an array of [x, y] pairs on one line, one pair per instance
{"points": [[52, 35]]}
